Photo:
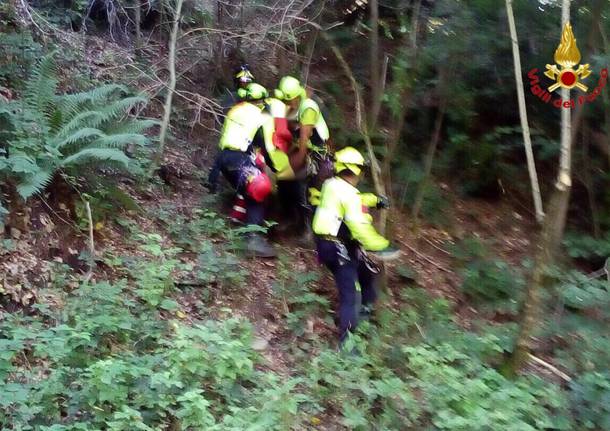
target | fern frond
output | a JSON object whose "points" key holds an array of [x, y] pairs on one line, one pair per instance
{"points": [[87, 119], [79, 135], [119, 141], [72, 103], [101, 93], [42, 86], [96, 154], [95, 118], [35, 183], [120, 107], [55, 119], [131, 126], [22, 163]]}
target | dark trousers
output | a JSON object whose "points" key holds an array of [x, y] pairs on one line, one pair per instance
{"points": [[349, 270], [292, 196], [233, 165]]}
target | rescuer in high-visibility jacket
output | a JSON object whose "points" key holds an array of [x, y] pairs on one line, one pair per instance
{"points": [[344, 233], [242, 77], [309, 158], [313, 132], [241, 167]]}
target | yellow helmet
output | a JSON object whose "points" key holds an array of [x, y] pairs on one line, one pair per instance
{"points": [[349, 158], [289, 88], [253, 91], [243, 75]]}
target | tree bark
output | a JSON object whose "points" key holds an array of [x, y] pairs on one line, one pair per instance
{"points": [[550, 238], [219, 54], [527, 142], [171, 85], [565, 161], [137, 13], [548, 244], [375, 70]]}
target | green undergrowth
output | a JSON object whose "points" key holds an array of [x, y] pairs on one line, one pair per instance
{"points": [[489, 282], [130, 354]]}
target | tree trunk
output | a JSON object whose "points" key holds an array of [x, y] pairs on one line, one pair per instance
{"points": [[550, 239], [219, 51], [311, 45], [547, 246], [405, 95], [527, 142], [309, 50], [137, 14], [565, 161], [171, 85], [429, 159], [375, 70]]}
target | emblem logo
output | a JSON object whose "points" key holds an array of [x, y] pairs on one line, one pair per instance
{"points": [[567, 56], [563, 72]]}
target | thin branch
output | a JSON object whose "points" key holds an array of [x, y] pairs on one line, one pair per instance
{"points": [[550, 367], [91, 244], [171, 85], [426, 258]]}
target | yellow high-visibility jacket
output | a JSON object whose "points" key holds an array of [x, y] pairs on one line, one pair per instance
{"points": [[341, 203], [309, 114], [240, 126]]}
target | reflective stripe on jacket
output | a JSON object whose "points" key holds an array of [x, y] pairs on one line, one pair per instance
{"points": [[341, 203]]}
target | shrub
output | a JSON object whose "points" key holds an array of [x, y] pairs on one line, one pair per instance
{"points": [[104, 361], [52, 132], [486, 278]]}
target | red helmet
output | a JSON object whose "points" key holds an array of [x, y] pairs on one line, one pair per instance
{"points": [[259, 187]]}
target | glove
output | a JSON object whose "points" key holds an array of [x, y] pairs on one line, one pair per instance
{"points": [[387, 254], [383, 202], [212, 188]]}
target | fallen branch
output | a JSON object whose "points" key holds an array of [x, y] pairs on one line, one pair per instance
{"points": [[550, 367], [442, 250]]}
